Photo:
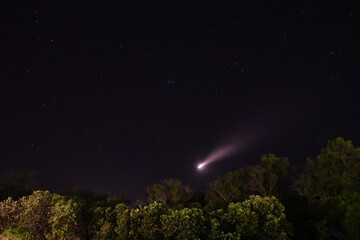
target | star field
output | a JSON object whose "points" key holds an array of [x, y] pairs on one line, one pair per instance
{"points": [[114, 97]]}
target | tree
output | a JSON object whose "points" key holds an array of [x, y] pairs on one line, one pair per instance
{"points": [[260, 218], [123, 220], [270, 177], [104, 220], [187, 223], [222, 226], [351, 204], [36, 213], [170, 193], [48, 216], [337, 169], [230, 188], [329, 184], [9, 214], [338, 217], [64, 219], [157, 193], [143, 222], [92, 211]]}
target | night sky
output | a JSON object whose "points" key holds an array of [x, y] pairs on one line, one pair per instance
{"points": [[115, 96]]}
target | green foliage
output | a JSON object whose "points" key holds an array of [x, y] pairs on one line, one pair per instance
{"points": [[337, 169], [63, 221], [351, 204], [16, 233], [260, 218], [36, 213], [187, 223], [327, 221], [339, 217], [269, 178], [105, 215], [123, 221], [9, 213], [95, 213], [331, 184], [41, 215], [222, 226], [328, 193], [143, 222], [105, 224]]}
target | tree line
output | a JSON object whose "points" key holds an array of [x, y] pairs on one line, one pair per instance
{"points": [[266, 201]]}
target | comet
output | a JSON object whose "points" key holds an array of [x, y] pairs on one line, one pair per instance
{"points": [[200, 166], [219, 154]]}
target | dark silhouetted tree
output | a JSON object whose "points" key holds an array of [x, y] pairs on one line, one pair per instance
{"points": [[270, 177], [232, 187], [171, 193]]}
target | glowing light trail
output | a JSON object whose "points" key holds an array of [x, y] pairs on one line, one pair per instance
{"points": [[219, 154], [200, 165]]}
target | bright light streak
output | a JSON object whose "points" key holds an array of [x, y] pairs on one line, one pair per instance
{"points": [[219, 154], [200, 166]]}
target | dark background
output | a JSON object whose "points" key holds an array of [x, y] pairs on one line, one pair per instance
{"points": [[115, 96]]}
